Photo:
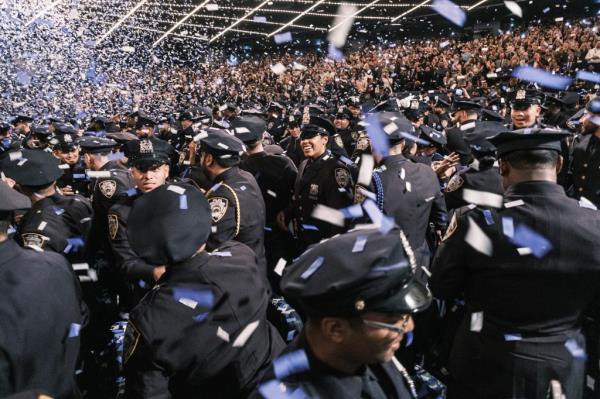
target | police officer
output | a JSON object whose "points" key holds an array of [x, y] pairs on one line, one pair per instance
{"points": [[149, 164], [526, 109], [41, 313], [428, 151], [144, 126], [55, 222], [203, 330], [439, 119], [276, 120], [238, 208], [405, 190], [585, 164], [291, 143], [358, 309], [482, 175], [22, 124], [343, 128], [322, 179], [66, 149], [514, 266], [464, 115], [275, 175]]}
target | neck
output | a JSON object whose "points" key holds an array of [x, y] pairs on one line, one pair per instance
{"points": [[40, 195], [100, 162], [329, 353], [548, 175], [255, 150]]}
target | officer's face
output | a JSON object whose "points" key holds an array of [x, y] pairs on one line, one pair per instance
{"points": [[186, 123], [587, 125], [68, 156], [314, 147], [523, 118], [341, 123], [148, 179], [373, 344], [23, 128], [294, 131]]}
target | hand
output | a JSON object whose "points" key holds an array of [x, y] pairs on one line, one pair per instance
{"points": [[67, 190], [281, 221], [158, 272], [442, 167]]}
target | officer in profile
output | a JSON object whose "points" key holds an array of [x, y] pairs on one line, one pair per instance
{"points": [[203, 330], [514, 263], [526, 109], [357, 311], [41, 312]]}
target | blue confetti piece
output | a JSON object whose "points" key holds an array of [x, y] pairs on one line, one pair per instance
{"points": [[575, 349], [23, 78], [131, 192], [527, 237], [414, 138], [387, 268], [346, 160], [310, 227], [273, 389], [379, 139], [142, 284], [202, 297], [512, 337], [359, 244], [281, 38], [545, 10], [542, 77], [291, 335], [409, 335], [74, 244], [215, 187], [312, 268], [116, 156], [489, 219], [58, 211], [508, 227], [450, 11], [589, 76], [183, 202], [74, 329], [353, 211], [200, 317], [290, 363], [267, 228]]}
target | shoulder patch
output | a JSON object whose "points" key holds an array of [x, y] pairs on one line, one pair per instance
{"points": [[451, 227], [108, 188], [132, 337], [362, 143], [455, 183], [113, 226], [342, 177], [338, 140], [34, 240], [218, 207]]}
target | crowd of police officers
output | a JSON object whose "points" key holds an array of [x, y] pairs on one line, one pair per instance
{"points": [[428, 246]]}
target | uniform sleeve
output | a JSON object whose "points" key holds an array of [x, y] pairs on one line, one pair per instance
{"points": [[5, 374], [130, 265], [225, 224], [144, 379], [439, 214], [449, 271]]}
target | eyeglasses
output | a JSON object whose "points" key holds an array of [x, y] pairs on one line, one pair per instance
{"points": [[378, 324]]}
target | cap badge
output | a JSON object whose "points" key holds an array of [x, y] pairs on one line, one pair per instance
{"points": [[306, 116], [359, 305], [146, 147], [520, 95]]}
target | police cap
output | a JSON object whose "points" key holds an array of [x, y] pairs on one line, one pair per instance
{"points": [[222, 144], [64, 142], [465, 106], [248, 128], [593, 106], [21, 119], [526, 98], [64, 128], [528, 139], [31, 167], [435, 137], [377, 277], [11, 200], [148, 152], [144, 121], [169, 224], [95, 145], [317, 126]]}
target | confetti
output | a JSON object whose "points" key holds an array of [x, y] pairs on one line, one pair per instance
{"points": [[329, 215], [176, 189], [585, 203], [74, 329], [477, 239], [383, 222], [359, 244], [379, 139], [183, 205], [482, 198], [316, 265], [290, 363], [542, 77], [245, 335], [352, 212], [224, 335], [450, 11], [524, 236], [342, 23], [280, 266], [278, 69], [283, 38], [514, 8], [589, 76], [476, 321], [575, 349], [365, 172], [512, 337], [513, 204], [192, 297]]}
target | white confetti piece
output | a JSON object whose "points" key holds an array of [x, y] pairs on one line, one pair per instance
{"points": [[278, 69], [272, 193], [524, 251], [450, 11], [128, 49], [402, 173], [13, 156], [476, 321], [246, 333], [224, 335], [280, 266], [477, 239], [482, 198], [514, 8], [190, 303], [329, 215], [97, 174], [359, 244], [21, 161], [42, 226], [212, 7], [176, 189], [586, 203], [512, 204], [408, 186], [366, 170], [342, 24], [64, 166], [281, 38]]}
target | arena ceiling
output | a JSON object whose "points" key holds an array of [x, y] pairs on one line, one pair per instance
{"points": [[219, 21]]}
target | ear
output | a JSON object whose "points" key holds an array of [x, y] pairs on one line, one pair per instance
{"points": [[504, 168], [334, 329], [559, 164], [208, 159], [325, 139]]}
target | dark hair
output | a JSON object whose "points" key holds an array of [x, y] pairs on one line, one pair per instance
{"points": [[532, 159], [227, 162], [5, 223]]}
